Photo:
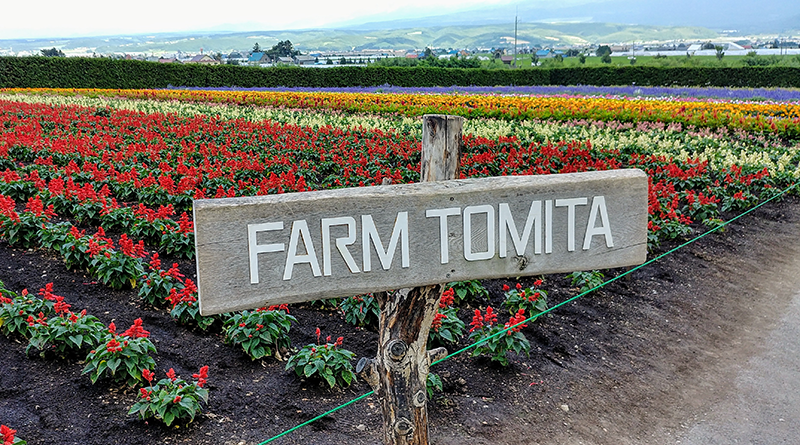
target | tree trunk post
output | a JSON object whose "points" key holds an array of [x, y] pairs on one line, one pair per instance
{"points": [[399, 372]]}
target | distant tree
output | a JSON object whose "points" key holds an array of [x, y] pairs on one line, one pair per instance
{"points": [[498, 52], [720, 53], [342, 61], [558, 58], [632, 60], [606, 58], [329, 61], [217, 57], [534, 60], [282, 49], [582, 59], [428, 54], [572, 52], [256, 48], [707, 45], [603, 50], [52, 52]]}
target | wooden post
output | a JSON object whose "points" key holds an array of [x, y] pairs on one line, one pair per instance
{"points": [[399, 372]]}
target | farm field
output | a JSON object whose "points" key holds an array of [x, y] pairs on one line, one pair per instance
{"points": [[96, 189]]}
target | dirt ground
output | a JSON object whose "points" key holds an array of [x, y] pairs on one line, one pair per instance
{"points": [[636, 362]]}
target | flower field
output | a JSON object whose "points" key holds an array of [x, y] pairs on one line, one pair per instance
{"points": [[102, 182]]}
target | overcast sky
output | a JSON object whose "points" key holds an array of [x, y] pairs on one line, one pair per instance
{"points": [[72, 18]]}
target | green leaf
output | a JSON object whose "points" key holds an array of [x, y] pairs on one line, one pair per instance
{"points": [[168, 418], [330, 379], [113, 364], [447, 335], [347, 377]]}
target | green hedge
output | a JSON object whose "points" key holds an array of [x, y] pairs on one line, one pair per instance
{"points": [[55, 72]]}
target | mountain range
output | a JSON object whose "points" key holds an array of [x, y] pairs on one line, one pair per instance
{"points": [[540, 23]]}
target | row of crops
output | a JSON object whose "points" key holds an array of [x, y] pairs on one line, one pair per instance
{"points": [[105, 180]]}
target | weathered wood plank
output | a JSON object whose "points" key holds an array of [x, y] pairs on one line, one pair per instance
{"points": [[308, 246]]}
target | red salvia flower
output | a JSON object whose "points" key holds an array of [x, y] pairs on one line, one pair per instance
{"points": [[113, 346], [477, 321], [136, 330], [59, 306], [202, 376], [490, 318], [437, 321], [147, 375], [447, 298]]}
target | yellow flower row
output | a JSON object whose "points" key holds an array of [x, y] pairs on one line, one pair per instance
{"points": [[775, 117]]}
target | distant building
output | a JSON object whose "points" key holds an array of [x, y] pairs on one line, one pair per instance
{"points": [[259, 58], [305, 60], [203, 59], [168, 60]]}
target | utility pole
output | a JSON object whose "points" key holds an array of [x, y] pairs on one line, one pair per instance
{"points": [[516, 17]]}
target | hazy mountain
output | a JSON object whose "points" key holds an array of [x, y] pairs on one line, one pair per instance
{"points": [[541, 22], [747, 16], [486, 36]]}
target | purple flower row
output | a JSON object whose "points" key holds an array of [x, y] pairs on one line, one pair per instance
{"points": [[770, 94]]}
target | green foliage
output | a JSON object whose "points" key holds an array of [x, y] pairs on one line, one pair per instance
{"points": [[487, 332], [15, 311], [18, 190], [261, 333], [328, 362], [116, 269], [179, 240], [468, 290], [68, 332], [433, 383], [79, 72], [531, 299], [22, 230], [361, 310], [586, 280], [603, 50], [185, 308], [53, 52], [283, 48], [446, 327], [121, 357], [719, 52], [171, 398], [156, 286]]}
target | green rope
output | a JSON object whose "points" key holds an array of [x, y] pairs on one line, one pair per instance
{"points": [[317, 418], [534, 317]]}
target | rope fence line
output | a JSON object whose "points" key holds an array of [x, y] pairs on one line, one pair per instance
{"points": [[550, 309]]}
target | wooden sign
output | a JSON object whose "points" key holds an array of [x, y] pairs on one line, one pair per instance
{"points": [[288, 248]]}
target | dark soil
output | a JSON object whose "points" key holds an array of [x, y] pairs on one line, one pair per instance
{"points": [[628, 364]]}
